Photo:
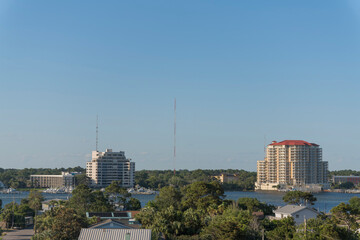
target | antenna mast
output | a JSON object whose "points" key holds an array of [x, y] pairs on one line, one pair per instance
{"points": [[174, 135], [97, 131]]}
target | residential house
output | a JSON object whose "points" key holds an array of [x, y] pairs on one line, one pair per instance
{"points": [[299, 213]]}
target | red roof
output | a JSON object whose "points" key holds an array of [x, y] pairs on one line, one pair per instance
{"points": [[293, 142]]}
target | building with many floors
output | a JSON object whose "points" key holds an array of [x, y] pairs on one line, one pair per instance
{"points": [[343, 179], [109, 166], [66, 179], [291, 162]]}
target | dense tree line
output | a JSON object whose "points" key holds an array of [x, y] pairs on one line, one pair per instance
{"points": [[156, 179]]}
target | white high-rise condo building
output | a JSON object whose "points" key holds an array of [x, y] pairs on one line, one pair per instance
{"points": [[109, 166], [291, 162]]}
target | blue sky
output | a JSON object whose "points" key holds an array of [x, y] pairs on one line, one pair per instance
{"points": [[240, 70]]}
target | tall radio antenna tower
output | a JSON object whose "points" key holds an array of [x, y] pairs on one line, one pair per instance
{"points": [[174, 135], [97, 131]]}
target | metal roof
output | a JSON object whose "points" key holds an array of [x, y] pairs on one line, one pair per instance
{"points": [[115, 234], [291, 209]]}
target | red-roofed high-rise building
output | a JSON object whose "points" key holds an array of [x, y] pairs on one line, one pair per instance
{"points": [[291, 162]]}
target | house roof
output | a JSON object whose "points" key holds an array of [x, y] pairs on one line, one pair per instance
{"points": [[53, 200], [110, 224], [110, 234], [108, 215], [291, 209], [293, 142]]}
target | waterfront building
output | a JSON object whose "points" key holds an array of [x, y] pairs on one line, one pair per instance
{"points": [[343, 179], [66, 179], [291, 162], [106, 167], [299, 213], [227, 178]]}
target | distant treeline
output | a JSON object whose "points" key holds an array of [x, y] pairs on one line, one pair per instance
{"points": [[346, 172], [156, 179]]}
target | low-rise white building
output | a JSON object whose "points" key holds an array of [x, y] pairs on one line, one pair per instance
{"points": [[53, 181], [299, 213]]}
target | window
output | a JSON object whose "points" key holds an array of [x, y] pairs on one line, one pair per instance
{"points": [[297, 215], [127, 236]]}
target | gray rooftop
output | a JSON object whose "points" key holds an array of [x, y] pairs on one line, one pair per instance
{"points": [[290, 209], [110, 234]]}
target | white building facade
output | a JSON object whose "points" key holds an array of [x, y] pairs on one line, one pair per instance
{"points": [[53, 181], [291, 162], [109, 166]]}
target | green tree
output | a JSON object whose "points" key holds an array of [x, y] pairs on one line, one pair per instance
{"points": [[60, 223], [200, 195], [99, 203], [341, 214], [82, 179], [322, 228], [354, 204], [133, 204], [284, 229], [298, 197], [166, 221], [82, 199], [35, 199], [254, 205], [168, 196], [234, 224]]}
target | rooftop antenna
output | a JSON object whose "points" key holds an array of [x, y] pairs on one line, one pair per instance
{"points": [[174, 135], [265, 144], [97, 131]]}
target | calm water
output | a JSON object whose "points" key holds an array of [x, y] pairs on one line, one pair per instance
{"points": [[325, 201]]}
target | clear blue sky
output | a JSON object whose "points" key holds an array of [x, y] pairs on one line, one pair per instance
{"points": [[239, 70]]}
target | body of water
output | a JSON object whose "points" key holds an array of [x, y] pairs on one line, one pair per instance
{"points": [[325, 200]]}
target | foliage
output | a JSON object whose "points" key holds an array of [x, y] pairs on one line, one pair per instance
{"points": [[254, 205], [233, 224], [284, 229], [168, 196], [35, 199], [346, 172], [84, 199], [323, 228], [59, 223], [82, 179], [298, 197], [341, 214], [198, 211], [157, 179], [14, 214], [354, 204], [133, 204], [200, 195]]}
